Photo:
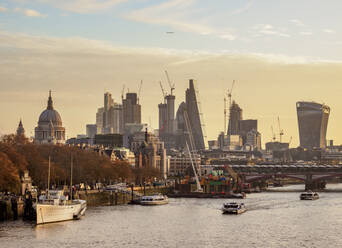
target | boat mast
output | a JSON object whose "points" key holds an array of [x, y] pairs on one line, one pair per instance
{"points": [[48, 191]]}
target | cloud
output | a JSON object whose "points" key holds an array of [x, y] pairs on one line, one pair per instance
{"points": [[175, 14], [297, 22], [329, 31], [80, 6], [3, 9], [268, 29], [29, 12]]}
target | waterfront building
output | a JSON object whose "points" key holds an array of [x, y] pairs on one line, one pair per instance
{"points": [[20, 129], [312, 124], [180, 164], [50, 129]]}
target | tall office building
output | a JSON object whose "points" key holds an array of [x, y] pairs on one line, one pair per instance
{"points": [[246, 126], [131, 109], [235, 116], [195, 118], [109, 119], [162, 107], [91, 130], [312, 124]]}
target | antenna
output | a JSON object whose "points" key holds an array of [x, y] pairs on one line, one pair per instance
{"points": [[172, 86]]}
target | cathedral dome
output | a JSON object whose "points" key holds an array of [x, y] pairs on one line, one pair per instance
{"points": [[50, 115]]}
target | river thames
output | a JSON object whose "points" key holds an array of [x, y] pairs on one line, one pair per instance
{"points": [[273, 219]]}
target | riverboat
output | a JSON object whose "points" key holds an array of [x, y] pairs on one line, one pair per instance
{"points": [[158, 199], [56, 207], [233, 208], [309, 195]]}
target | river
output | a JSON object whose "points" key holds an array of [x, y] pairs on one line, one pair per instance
{"points": [[273, 219]]}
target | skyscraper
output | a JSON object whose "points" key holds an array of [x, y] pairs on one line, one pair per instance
{"points": [[131, 109], [193, 111], [312, 124], [235, 116]]}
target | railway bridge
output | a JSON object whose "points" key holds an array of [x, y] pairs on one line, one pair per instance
{"points": [[314, 176]]}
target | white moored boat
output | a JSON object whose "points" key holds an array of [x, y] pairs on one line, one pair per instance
{"points": [[154, 200], [56, 207], [309, 195], [233, 208]]}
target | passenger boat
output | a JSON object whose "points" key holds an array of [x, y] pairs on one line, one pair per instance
{"points": [[309, 195], [233, 208], [158, 199], [56, 207]]}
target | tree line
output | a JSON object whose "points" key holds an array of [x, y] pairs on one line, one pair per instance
{"points": [[17, 154]]}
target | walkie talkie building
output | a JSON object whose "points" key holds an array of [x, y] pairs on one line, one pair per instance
{"points": [[312, 124]]}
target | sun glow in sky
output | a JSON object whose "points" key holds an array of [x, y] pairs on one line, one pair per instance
{"points": [[279, 52]]}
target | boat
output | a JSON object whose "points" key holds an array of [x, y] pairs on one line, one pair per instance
{"points": [[233, 208], [158, 199], [309, 195], [56, 207]]}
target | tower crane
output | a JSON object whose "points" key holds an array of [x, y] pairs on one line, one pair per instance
{"points": [[281, 131], [139, 91], [162, 89], [172, 86], [229, 94]]}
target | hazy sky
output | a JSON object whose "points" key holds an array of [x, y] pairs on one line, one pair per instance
{"points": [[278, 52]]}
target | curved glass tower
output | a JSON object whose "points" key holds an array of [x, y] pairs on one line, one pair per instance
{"points": [[312, 124]]}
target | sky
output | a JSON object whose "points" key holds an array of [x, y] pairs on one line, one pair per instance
{"points": [[278, 52]]}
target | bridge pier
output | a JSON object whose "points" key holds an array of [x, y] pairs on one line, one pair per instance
{"points": [[314, 185]]}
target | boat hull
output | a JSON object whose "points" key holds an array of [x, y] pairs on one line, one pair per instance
{"points": [[233, 211], [47, 213], [151, 203]]}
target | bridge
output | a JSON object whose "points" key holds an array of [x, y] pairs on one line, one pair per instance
{"points": [[314, 176]]}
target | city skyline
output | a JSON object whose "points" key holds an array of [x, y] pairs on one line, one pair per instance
{"points": [[276, 60]]}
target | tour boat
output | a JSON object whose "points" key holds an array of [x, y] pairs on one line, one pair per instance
{"points": [[233, 208], [309, 195], [56, 207], [154, 200]]}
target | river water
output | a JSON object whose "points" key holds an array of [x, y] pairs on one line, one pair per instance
{"points": [[273, 219]]}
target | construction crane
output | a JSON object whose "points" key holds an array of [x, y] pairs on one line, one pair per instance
{"points": [[172, 86], [281, 131], [225, 114], [139, 91], [163, 91], [230, 103], [123, 92], [273, 135]]}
